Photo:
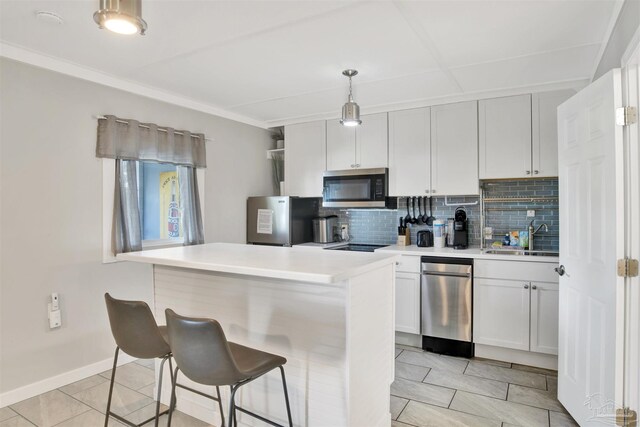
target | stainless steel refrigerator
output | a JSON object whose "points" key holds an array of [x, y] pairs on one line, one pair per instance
{"points": [[281, 220]]}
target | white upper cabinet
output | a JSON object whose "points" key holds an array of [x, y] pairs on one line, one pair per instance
{"points": [[341, 146], [545, 131], [410, 152], [305, 158], [454, 149], [372, 136], [505, 137], [363, 146]]}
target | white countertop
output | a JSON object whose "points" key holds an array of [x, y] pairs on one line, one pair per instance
{"points": [[266, 261], [475, 253]]}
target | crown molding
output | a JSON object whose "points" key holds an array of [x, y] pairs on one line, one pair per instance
{"points": [[37, 59]]}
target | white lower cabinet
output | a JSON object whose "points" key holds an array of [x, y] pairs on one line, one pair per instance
{"points": [[408, 302], [515, 305], [544, 317], [501, 313], [408, 294]]}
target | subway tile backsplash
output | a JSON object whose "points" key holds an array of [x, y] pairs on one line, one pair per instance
{"points": [[380, 226]]}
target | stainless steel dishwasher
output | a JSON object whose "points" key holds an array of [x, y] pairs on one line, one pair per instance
{"points": [[447, 312]]}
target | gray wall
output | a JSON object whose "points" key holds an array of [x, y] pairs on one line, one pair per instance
{"points": [[626, 26], [51, 213]]}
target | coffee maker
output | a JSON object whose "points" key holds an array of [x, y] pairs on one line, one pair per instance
{"points": [[460, 229]]}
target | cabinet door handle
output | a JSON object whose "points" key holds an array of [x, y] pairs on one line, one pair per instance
{"points": [[357, 165], [536, 172], [534, 287], [560, 270], [528, 172], [433, 191], [526, 286], [353, 166], [426, 191]]}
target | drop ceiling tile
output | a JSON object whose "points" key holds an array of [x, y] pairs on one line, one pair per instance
{"points": [[565, 65], [467, 32], [175, 27], [371, 37], [369, 96]]}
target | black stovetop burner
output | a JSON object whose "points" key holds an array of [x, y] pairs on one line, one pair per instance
{"points": [[357, 247]]}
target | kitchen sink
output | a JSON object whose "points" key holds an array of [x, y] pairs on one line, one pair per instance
{"points": [[519, 252]]}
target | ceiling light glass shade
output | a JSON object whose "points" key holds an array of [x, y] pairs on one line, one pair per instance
{"points": [[350, 110], [121, 16]]}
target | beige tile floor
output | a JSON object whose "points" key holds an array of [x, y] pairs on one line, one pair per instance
{"points": [[429, 390]]}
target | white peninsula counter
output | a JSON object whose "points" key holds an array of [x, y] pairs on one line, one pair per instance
{"points": [[330, 313]]}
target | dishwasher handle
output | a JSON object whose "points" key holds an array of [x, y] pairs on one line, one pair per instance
{"points": [[444, 273]]}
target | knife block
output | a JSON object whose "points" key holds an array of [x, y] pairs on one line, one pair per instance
{"points": [[404, 240]]}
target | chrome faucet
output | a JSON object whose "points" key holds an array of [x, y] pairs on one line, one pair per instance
{"points": [[533, 231]]}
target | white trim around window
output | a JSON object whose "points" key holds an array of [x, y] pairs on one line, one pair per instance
{"points": [[108, 190]]}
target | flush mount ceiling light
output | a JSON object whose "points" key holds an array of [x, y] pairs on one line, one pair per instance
{"points": [[350, 110], [121, 16]]}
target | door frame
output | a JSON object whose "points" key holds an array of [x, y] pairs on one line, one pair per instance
{"points": [[631, 139]]}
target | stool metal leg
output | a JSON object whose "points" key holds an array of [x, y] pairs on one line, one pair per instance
{"points": [[173, 396], [113, 377], [232, 405], [286, 396], [164, 359]]}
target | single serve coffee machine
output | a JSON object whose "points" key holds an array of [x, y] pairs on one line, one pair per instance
{"points": [[460, 229]]}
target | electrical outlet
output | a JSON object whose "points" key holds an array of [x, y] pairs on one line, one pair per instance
{"points": [[55, 319], [55, 303], [344, 232], [531, 213]]}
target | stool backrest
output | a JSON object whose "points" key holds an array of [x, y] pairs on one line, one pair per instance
{"points": [[135, 329], [201, 350]]}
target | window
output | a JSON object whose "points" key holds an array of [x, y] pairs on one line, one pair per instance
{"points": [[159, 201], [148, 179]]}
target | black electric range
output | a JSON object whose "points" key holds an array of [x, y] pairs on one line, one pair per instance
{"points": [[357, 247]]}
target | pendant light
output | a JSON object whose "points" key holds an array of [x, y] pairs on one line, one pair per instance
{"points": [[121, 16], [350, 110]]}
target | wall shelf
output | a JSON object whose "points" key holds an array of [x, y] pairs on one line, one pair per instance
{"points": [[270, 153]]}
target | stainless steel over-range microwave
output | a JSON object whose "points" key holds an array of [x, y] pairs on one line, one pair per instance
{"points": [[357, 188]]}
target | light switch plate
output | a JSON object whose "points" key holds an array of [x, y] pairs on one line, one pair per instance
{"points": [[55, 320]]}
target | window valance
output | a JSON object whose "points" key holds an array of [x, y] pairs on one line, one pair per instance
{"points": [[127, 139]]}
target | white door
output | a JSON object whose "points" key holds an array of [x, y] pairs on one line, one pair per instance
{"points": [[408, 303], [409, 152], [501, 313], [305, 159], [454, 141], [341, 146], [544, 317], [544, 126], [372, 148], [591, 226], [505, 137]]}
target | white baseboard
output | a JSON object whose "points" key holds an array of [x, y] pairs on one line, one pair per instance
{"points": [[25, 392], [540, 360]]}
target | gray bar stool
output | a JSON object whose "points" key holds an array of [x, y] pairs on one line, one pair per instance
{"points": [[137, 334], [204, 355]]}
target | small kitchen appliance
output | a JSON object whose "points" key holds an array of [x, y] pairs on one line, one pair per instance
{"points": [[357, 188], [324, 229], [425, 239], [281, 220], [460, 229]]}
